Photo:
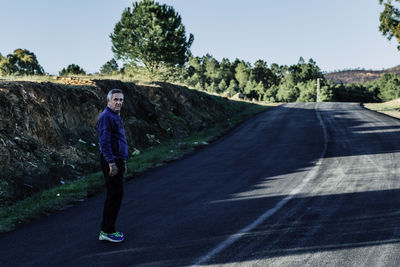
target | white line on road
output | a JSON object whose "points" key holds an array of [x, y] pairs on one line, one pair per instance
{"points": [[311, 174]]}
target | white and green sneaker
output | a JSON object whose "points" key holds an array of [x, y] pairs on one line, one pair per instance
{"points": [[112, 237]]}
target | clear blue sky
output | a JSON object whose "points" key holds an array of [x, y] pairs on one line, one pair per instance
{"points": [[338, 34]]}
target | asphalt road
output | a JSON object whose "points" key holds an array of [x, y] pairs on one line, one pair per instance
{"points": [[298, 185]]}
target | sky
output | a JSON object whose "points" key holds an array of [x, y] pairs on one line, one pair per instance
{"points": [[337, 35]]}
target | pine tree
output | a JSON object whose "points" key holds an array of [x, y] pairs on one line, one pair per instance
{"points": [[151, 34], [212, 69], [250, 89], [198, 86], [233, 87], [260, 90], [222, 86], [72, 69], [242, 74], [212, 88], [109, 67]]}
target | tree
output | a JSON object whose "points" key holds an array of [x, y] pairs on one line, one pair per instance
{"points": [[212, 88], [109, 67], [226, 70], [271, 94], [5, 67], [261, 73], [390, 20], [212, 69], [222, 86], [21, 62], [151, 34], [250, 89], [242, 74], [198, 86], [303, 72], [195, 79], [260, 89], [278, 72], [72, 69], [389, 84], [327, 90], [308, 93], [233, 87], [196, 71], [288, 90]]}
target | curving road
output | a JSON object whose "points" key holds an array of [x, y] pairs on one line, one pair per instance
{"points": [[299, 185]]}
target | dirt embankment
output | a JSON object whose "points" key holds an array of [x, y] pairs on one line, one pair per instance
{"points": [[48, 130]]}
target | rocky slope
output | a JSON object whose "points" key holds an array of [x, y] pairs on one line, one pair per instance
{"points": [[48, 130]]}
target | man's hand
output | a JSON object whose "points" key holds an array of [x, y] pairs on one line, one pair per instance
{"points": [[113, 169]]}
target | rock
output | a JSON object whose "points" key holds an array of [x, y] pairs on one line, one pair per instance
{"points": [[238, 96]]}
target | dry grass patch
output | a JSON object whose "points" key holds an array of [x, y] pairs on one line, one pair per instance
{"points": [[391, 108]]}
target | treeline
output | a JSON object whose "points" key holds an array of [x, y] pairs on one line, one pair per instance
{"points": [[281, 83], [24, 62], [386, 88], [258, 81], [275, 83]]}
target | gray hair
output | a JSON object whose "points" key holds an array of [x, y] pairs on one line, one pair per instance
{"points": [[113, 91]]}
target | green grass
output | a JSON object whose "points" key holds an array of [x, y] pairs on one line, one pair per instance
{"points": [[63, 196], [178, 120]]}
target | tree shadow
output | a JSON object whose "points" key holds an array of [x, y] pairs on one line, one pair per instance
{"points": [[321, 224], [178, 213], [306, 224]]}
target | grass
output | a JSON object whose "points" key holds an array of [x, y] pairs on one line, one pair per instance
{"points": [[138, 79], [63, 196], [391, 108]]}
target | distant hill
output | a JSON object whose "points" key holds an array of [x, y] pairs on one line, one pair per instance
{"points": [[359, 76]]}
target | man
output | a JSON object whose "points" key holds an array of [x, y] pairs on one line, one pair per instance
{"points": [[114, 152]]}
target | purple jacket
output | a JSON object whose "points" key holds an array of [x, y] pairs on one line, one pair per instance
{"points": [[112, 138]]}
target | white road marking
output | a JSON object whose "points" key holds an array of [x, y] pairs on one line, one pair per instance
{"points": [[311, 174]]}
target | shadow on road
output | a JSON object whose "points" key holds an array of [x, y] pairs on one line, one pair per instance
{"points": [[354, 131], [320, 224], [304, 225], [176, 214]]}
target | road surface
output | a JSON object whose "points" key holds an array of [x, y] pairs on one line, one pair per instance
{"points": [[307, 184]]}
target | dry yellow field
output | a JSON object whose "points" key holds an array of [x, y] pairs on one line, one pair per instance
{"points": [[391, 108]]}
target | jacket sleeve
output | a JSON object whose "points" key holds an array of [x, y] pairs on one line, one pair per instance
{"points": [[104, 128]]}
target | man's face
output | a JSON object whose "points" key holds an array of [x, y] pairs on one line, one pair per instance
{"points": [[116, 101]]}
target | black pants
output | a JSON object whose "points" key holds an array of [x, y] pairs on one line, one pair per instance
{"points": [[114, 190]]}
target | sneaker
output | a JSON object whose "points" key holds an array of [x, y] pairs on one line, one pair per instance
{"points": [[113, 237], [120, 234]]}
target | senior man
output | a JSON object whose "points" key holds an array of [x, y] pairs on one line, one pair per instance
{"points": [[114, 152]]}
